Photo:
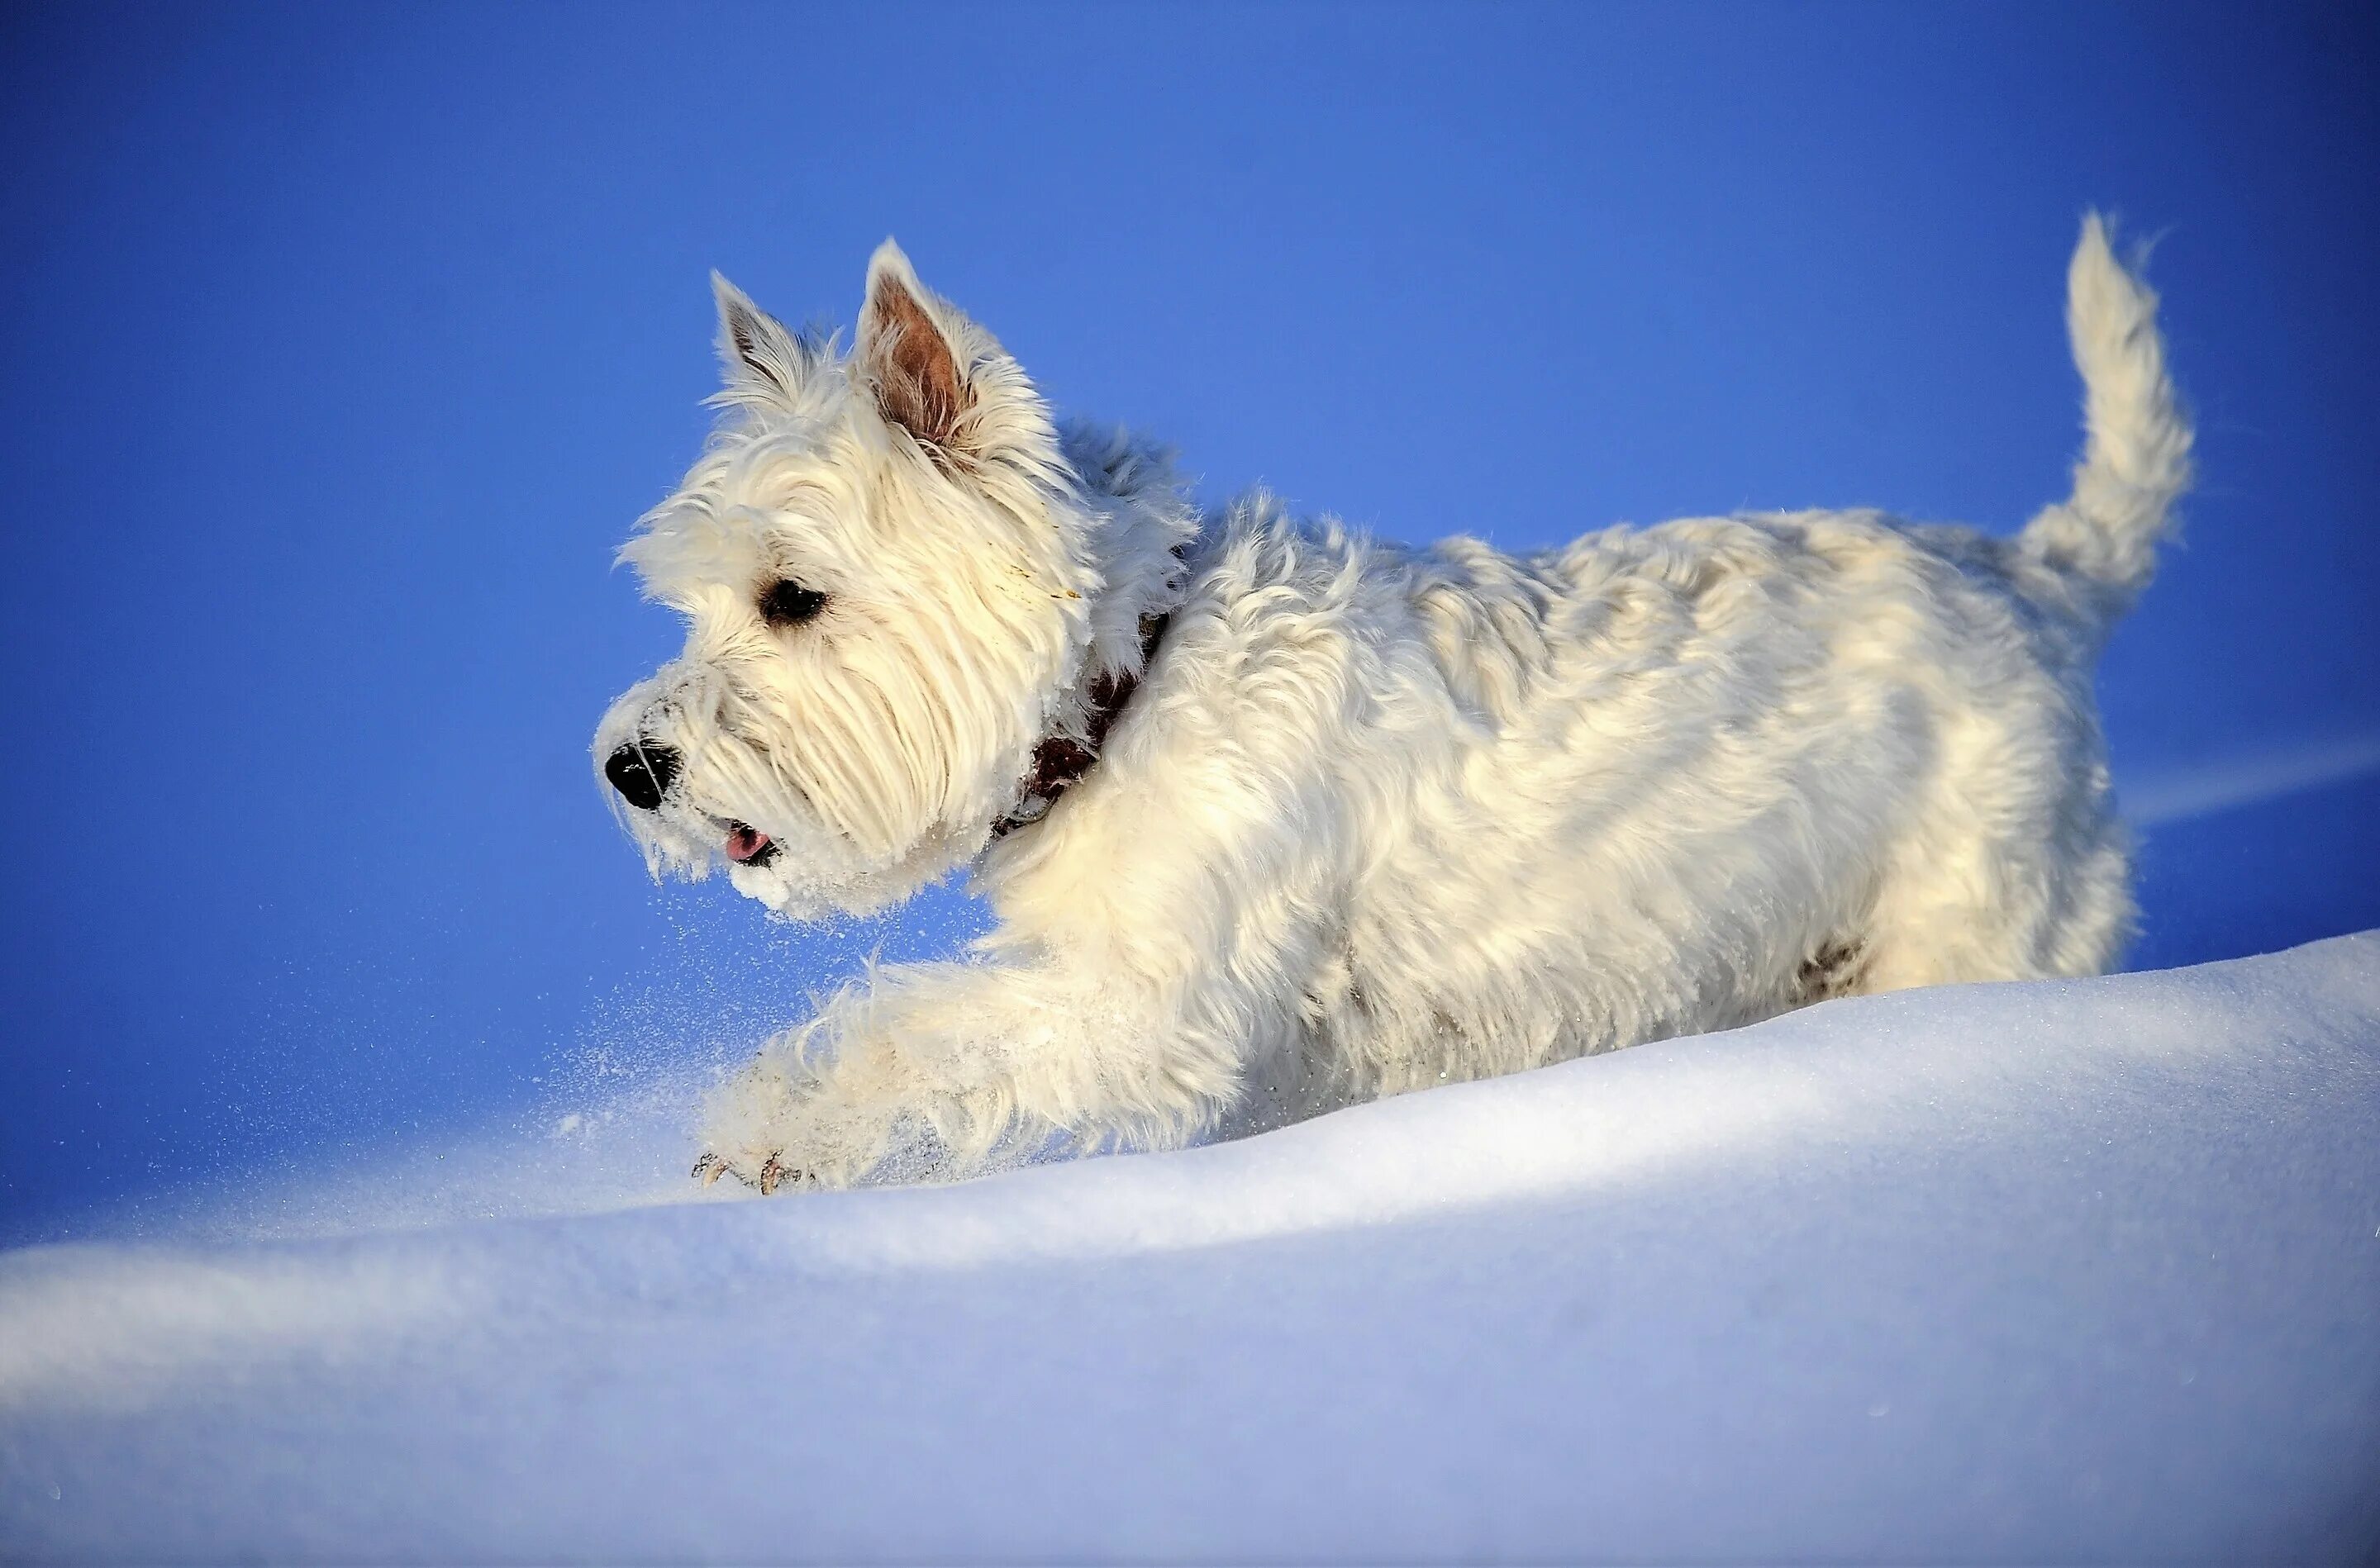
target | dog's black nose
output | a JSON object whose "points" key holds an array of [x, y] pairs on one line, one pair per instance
{"points": [[641, 770]]}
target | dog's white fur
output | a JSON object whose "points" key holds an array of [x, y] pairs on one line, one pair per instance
{"points": [[1376, 818]]}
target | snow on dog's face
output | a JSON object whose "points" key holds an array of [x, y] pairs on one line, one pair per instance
{"points": [[881, 561]]}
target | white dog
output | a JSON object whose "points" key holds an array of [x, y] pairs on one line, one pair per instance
{"points": [[1274, 816]]}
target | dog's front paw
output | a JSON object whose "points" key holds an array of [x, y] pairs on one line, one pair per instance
{"points": [[768, 1172], [765, 1141], [759, 1123], [782, 1124], [813, 1163]]}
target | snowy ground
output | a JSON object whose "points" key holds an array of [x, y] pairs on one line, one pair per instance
{"points": [[2045, 1271]]}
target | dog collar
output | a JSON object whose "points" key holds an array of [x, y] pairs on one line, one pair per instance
{"points": [[1059, 761]]}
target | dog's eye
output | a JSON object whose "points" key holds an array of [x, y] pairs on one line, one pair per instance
{"points": [[787, 603]]}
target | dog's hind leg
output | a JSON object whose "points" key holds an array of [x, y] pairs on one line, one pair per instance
{"points": [[1837, 968], [2033, 900]]}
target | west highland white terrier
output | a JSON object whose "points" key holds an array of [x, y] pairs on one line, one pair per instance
{"points": [[1274, 816]]}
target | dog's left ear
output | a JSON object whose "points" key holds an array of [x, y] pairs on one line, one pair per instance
{"points": [[914, 349], [756, 356]]}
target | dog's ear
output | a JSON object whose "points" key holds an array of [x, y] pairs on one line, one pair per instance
{"points": [[909, 352], [756, 353]]}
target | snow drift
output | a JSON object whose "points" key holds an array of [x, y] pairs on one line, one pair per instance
{"points": [[2049, 1271]]}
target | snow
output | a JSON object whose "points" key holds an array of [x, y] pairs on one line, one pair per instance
{"points": [[2054, 1271]]}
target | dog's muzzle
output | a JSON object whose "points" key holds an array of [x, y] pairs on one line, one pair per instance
{"points": [[642, 771]]}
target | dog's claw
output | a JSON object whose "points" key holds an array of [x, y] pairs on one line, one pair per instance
{"points": [[773, 1173]]}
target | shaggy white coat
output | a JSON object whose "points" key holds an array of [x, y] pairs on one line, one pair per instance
{"points": [[1377, 817]]}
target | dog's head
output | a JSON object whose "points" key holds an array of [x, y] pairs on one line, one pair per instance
{"points": [[886, 562]]}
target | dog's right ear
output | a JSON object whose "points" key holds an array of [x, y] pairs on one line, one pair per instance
{"points": [[933, 371], [756, 353], [909, 355]]}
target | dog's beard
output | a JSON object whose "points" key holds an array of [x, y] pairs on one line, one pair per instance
{"points": [[832, 796]]}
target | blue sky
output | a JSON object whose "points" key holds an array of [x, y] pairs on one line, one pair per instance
{"points": [[342, 343]]}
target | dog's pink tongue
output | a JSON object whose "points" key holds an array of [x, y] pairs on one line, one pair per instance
{"points": [[745, 842]]}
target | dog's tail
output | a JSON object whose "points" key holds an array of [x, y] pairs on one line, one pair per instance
{"points": [[2136, 461]]}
